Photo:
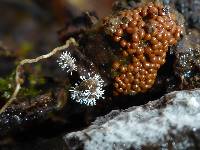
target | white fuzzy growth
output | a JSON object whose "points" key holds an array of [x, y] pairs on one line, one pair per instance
{"points": [[66, 61], [145, 126], [89, 95]]}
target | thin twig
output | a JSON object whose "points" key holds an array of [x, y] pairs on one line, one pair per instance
{"points": [[18, 79]]}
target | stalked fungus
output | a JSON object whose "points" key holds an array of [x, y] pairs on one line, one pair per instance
{"points": [[144, 35], [66, 61], [89, 90]]}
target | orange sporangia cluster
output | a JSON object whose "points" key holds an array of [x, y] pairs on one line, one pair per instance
{"points": [[144, 35]]}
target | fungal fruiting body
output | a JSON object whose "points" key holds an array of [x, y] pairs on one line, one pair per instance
{"points": [[89, 90], [144, 35], [66, 61]]}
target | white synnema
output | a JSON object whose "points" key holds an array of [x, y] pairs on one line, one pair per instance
{"points": [[66, 61], [92, 91]]}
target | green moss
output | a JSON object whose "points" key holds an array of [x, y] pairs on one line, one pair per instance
{"points": [[4, 84], [6, 87], [29, 92], [36, 80]]}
